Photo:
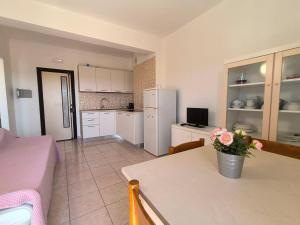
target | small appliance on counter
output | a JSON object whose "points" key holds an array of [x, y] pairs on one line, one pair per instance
{"points": [[130, 106]]}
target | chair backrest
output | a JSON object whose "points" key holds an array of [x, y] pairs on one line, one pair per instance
{"points": [[281, 149], [186, 146], [137, 213]]}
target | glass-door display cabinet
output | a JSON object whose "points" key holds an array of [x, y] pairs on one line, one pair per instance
{"points": [[248, 89], [285, 116]]}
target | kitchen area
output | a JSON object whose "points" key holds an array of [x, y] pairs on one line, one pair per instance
{"points": [[106, 104], [111, 101]]}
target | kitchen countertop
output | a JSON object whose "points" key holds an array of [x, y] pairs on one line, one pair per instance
{"points": [[120, 109], [186, 188]]}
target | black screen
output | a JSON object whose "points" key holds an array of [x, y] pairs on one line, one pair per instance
{"points": [[197, 116]]}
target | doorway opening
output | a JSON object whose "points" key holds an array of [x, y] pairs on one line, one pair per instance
{"points": [[56, 90]]}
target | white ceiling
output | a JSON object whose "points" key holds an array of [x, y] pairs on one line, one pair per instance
{"points": [[159, 17]]}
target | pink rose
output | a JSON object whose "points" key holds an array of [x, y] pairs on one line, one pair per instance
{"points": [[258, 145], [216, 132], [226, 138]]}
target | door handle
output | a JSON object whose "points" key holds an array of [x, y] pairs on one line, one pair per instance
{"points": [[71, 108]]}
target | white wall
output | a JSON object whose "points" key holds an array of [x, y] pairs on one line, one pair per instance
{"points": [[6, 90], [27, 54], [194, 55]]}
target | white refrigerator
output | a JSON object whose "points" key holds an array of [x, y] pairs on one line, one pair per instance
{"points": [[159, 115]]}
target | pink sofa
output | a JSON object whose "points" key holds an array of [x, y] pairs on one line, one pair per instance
{"points": [[26, 171]]}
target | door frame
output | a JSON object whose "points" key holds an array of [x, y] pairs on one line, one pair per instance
{"points": [[41, 99]]}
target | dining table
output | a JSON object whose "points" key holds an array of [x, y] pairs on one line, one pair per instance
{"points": [[186, 188]]}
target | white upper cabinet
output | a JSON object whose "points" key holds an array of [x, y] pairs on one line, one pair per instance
{"points": [[117, 81], [103, 80], [95, 79], [87, 78], [128, 82]]}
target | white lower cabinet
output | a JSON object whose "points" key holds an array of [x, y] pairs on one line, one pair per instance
{"points": [[107, 123], [130, 126], [183, 134], [96, 124], [120, 123], [180, 136], [90, 131]]}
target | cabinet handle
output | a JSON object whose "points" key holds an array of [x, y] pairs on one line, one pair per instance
{"points": [[91, 113], [87, 89], [104, 90], [91, 120], [268, 85], [91, 126], [276, 84]]}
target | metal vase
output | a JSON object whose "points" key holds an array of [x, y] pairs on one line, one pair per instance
{"points": [[230, 166]]}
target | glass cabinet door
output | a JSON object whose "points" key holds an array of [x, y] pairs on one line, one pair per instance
{"points": [[248, 96], [285, 116]]}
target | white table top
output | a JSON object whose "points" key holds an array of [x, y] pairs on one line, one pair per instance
{"points": [[186, 188]]}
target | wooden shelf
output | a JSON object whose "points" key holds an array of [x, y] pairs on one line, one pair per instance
{"points": [[245, 110], [291, 80], [247, 84], [289, 111]]}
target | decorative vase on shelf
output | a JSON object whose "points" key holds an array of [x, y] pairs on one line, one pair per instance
{"points": [[232, 148]]}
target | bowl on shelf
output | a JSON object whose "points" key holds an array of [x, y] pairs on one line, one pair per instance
{"points": [[237, 104], [292, 106]]}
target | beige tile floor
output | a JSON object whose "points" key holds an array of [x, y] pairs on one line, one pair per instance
{"points": [[89, 188]]}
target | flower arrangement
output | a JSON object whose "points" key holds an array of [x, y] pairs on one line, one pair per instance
{"points": [[233, 143]]}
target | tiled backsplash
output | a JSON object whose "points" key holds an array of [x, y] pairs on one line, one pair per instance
{"points": [[108, 100], [144, 77]]}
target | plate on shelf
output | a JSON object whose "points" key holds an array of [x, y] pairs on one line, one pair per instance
{"points": [[293, 76], [290, 137], [245, 127]]}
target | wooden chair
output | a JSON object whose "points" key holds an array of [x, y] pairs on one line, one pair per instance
{"points": [[281, 149], [186, 146], [137, 213]]}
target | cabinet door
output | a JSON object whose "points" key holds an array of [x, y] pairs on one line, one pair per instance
{"points": [[247, 96], [180, 136], [117, 80], [285, 114], [130, 127], [103, 80], [196, 137], [128, 79], [87, 78], [119, 123], [107, 123], [90, 131]]}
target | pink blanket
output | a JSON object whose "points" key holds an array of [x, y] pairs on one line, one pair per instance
{"points": [[26, 173]]}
